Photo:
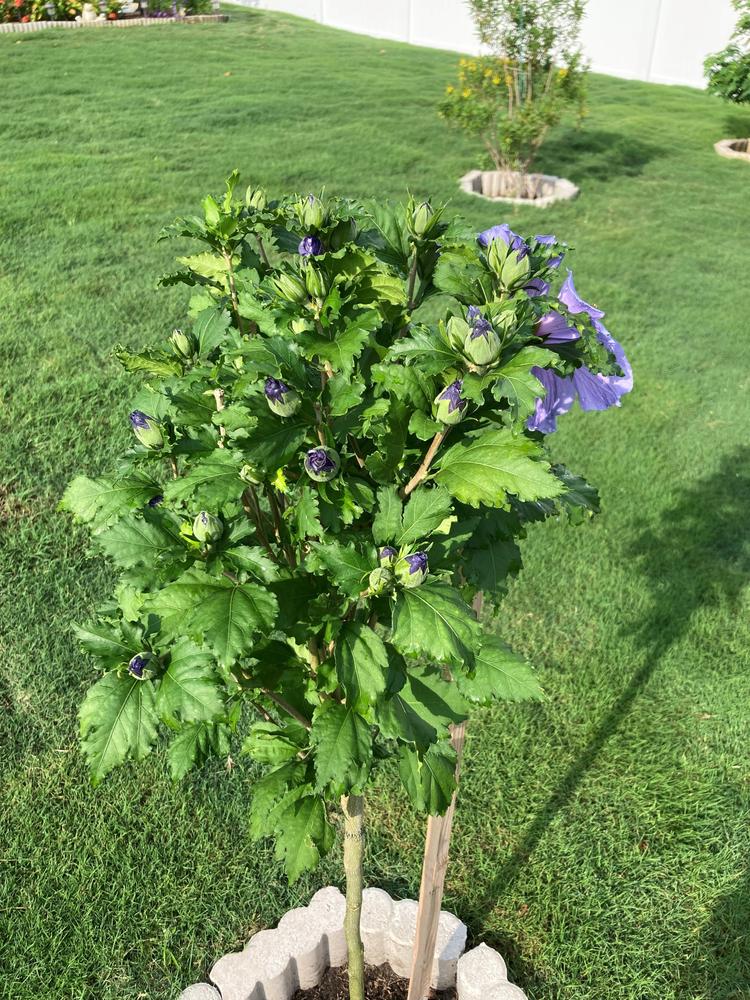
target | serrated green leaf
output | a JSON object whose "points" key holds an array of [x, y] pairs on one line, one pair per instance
{"points": [[518, 384], [306, 514], [490, 557], [271, 789], [426, 349], [106, 642], [361, 665], [210, 328], [101, 501], [226, 613], [135, 542], [118, 722], [487, 469], [194, 743], [345, 347], [347, 567], [433, 621], [423, 427], [429, 778], [149, 361], [422, 710], [304, 836], [342, 741], [210, 482], [499, 673], [274, 442], [271, 744], [253, 559], [189, 690], [343, 394], [426, 510], [387, 522]]}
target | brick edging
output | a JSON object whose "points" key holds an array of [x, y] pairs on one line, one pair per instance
{"points": [[134, 22]]}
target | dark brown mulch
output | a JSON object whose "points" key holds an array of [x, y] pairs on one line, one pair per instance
{"points": [[380, 984]]}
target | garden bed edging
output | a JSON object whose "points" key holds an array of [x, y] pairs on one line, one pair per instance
{"points": [[274, 964], [490, 184]]}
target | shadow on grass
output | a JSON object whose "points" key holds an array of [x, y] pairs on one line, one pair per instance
{"points": [[595, 154], [697, 556], [736, 126], [726, 946]]}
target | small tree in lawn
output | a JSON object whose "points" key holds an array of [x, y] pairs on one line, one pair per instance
{"points": [[728, 71], [319, 484], [532, 76]]}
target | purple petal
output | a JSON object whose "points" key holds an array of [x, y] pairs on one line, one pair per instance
{"points": [[548, 240], [575, 304], [554, 329], [505, 233], [536, 287], [622, 384], [558, 400]]}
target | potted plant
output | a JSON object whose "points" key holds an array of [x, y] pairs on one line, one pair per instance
{"points": [[728, 75], [319, 484], [532, 76]]}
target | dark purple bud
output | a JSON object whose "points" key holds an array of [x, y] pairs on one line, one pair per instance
{"points": [[140, 664], [275, 389], [155, 501], [282, 399], [310, 246], [139, 419], [449, 404], [417, 562], [411, 570], [147, 429], [322, 464], [386, 555]]}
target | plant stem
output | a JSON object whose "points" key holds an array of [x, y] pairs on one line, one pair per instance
{"points": [[412, 281], [424, 468], [262, 250], [252, 509], [286, 707], [218, 395], [353, 809], [233, 291]]}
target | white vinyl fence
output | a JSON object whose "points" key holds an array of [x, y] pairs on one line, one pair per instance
{"points": [[664, 41]]}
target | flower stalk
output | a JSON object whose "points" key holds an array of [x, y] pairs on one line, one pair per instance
{"points": [[353, 809]]}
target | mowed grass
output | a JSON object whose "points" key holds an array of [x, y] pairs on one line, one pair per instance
{"points": [[602, 838]]}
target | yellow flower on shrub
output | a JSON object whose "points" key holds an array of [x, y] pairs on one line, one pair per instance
{"points": [[450, 88]]}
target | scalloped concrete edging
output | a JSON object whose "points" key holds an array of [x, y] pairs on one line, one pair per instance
{"points": [[274, 964], [133, 22], [733, 149], [488, 183]]}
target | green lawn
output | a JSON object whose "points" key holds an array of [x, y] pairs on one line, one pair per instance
{"points": [[602, 838]]}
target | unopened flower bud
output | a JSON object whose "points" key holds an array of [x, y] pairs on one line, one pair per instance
{"points": [[497, 254], [315, 283], [482, 344], [207, 528], [156, 500], [322, 464], [250, 474], [310, 246], [456, 330], [420, 219], [255, 197], [184, 344], [289, 287], [449, 404], [386, 555], [140, 666], [148, 430], [380, 580], [313, 213], [412, 570], [281, 398]]}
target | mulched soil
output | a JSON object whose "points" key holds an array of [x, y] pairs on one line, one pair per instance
{"points": [[380, 984]]}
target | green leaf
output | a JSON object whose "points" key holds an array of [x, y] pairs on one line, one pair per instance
{"points": [[433, 621], [422, 710], [423, 427], [361, 665], [106, 642], [101, 501], [347, 567], [211, 482], [429, 778], [460, 273], [189, 690], [426, 349], [271, 744], [253, 559], [491, 556], [210, 328], [304, 836], [274, 441], [518, 385], [426, 510], [135, 542], [149, 361], [306, 513], [342, 741], [271, 789], [344, 394], [117, 722], [487, 469], [387, 522], [499, 673], [345, 347], [194, 743], [227, 614]]}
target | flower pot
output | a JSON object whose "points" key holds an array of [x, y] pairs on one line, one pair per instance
{"points": [[733, 149], [274, 964], [517, 188]]}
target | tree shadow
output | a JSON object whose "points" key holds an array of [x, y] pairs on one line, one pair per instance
{"points": [[724, 972], [736, 125], [595, 154], [696, 556]]}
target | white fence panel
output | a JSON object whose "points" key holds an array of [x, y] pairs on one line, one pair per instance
{"points": [[664, 41]]}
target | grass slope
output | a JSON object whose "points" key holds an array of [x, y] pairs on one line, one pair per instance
{"points": [[602, 837]]}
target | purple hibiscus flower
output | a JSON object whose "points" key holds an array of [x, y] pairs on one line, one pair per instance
{"points": [[418, 562], [310, 246], [505, 233], [547, 239], [594, 390]]}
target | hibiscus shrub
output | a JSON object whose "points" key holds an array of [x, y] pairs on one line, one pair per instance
{"points": [[728, 71], [321, 481]]}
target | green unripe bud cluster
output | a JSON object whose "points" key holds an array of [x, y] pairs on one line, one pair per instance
{"points": [[207, 528]]}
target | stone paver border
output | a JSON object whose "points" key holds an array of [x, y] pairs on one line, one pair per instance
{"points": [[551, 189], [733, 149], [310, 939], [131, 22]]}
